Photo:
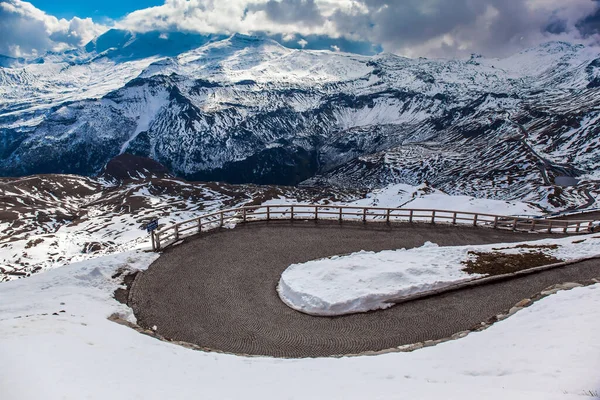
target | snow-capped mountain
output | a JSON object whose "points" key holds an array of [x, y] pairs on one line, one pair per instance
{"points": [[246, 109]]}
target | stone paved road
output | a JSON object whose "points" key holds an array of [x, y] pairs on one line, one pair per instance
{"points": [[217, 290]]}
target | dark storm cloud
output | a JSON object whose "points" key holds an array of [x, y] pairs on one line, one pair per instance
{"points": [[556, 26], [492, 27], [411, 20], [451, 27], [591, 24]]}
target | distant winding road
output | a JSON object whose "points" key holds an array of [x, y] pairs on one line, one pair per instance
{"points": [[217, 290], [546, 165]]}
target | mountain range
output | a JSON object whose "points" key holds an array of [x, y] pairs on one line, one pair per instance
{"points": [[245, 109]]}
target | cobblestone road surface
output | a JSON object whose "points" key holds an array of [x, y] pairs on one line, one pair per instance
{"points": [[217, 290]]}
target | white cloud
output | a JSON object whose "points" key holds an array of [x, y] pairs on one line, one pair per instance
{"points": [[232, 16], [28, 31]]}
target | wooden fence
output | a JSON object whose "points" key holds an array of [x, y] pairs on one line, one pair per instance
{"points": [[171, 234]]}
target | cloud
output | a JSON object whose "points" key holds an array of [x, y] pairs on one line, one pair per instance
{"points": [[285, 17], [439, 28], [290, 11], [590, 25], [409, 27], [459, 27], [28, 31]]}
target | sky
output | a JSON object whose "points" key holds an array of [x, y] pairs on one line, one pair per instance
{"points": [[111, 9], [430, 28]]}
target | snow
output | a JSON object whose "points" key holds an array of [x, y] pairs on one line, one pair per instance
{"points": [[428, 198], [240, 58], [413, 197], [35, 87], [547, 351], [145, 118], [366, 281], [42, 246], [537, 63], [374, 104]]}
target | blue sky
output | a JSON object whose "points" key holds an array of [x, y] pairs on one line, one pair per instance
{"points": [[112, 9]]}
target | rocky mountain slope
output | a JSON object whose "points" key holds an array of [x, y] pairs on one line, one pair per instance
{"points": [[246, 109], [51, 220]]}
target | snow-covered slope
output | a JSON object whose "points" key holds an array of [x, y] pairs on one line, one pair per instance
{"points": [[246, 109]]}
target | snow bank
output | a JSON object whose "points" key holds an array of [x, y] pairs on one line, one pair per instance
{"points": [[366, 281], [83, 288]]}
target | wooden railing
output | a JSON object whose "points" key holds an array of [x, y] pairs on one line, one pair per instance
{"points": [[171, 234]]}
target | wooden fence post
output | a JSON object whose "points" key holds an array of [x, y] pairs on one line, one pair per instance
{"points": [[244, 214], [454, 219], [475, 219], [364, 215], [387, 217], [341, 213], [158, 241], [316, 213], [292, 215], [496, 222], [578, 227], [268, 213], [515, 225], [550, 226], [176, 232], [199, 224], [533, 224], [152, 238], [433, 217], [410, 218]]}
